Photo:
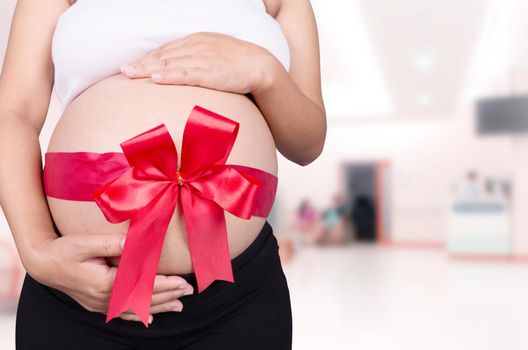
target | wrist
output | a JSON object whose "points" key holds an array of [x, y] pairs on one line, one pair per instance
{"points": [[269, 69], [37, 259]]}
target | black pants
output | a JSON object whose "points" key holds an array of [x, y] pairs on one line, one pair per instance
{"points": [[253, 313]]}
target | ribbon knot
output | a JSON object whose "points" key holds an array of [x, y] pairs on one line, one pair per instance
{"points": [[149, 191], [180, 179]]}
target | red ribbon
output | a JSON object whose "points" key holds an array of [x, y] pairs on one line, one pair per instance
{"points": [[153, 185]]}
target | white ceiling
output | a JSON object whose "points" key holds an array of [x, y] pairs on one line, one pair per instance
{"points": [[499, 65], [396, 58]]}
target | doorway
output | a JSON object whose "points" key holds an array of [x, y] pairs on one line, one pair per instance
{"points": [[366, 187]]}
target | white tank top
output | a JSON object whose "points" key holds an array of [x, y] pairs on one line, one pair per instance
{"points": [[93, 38]]}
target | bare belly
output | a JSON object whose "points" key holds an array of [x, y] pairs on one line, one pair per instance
{"points": [[118, 108]]}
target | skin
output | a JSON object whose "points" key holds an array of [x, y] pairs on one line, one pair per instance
{"points": [[291, 103]]}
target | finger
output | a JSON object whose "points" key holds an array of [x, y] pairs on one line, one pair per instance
{"points": [[160, 54], [170, 306], [179, 43], [146, 68], [106, 283], [98, 245], [163, 283], [160, 298], [127, 316], [181, 76]]}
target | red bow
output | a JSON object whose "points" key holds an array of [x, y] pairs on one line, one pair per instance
{"points": [[203, 187]]}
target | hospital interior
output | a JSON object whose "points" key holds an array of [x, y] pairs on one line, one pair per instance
{"points": [[410, 230]]}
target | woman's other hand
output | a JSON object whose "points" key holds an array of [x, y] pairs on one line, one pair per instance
{"points": [[76, 265], [211, 60]]}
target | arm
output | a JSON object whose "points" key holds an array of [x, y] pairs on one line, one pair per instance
{"points": [[73, 264], [25, 88], [292, 103]]}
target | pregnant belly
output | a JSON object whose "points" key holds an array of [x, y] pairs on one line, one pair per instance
{"points": [[118, 108]]}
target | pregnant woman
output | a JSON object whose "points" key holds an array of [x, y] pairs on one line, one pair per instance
{"points": [[129, 73]]}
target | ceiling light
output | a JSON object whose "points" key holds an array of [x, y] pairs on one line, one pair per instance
{"points": [[497, 49], [424, 99], [423, 60]]}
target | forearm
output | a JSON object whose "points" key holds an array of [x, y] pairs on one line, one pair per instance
{"points": [[297, 123], [21, 194]]}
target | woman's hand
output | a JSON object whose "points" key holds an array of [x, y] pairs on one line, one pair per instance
{"points": [[211, 60], [76, 265]]}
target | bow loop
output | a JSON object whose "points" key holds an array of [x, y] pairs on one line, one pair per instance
{"points": [[124, 197], [152, 154], [200, 153], [232, 190], [153, 159]]}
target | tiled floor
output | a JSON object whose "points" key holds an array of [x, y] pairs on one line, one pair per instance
{"points": [[366, 297]]}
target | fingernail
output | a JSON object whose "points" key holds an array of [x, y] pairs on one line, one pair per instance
{"points": [[189, 291], [150, 319], [127, 69], [183, 286], [177, 308], [122, 242]]}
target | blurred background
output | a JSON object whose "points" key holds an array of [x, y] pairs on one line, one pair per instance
{"points": [[411, 229]]}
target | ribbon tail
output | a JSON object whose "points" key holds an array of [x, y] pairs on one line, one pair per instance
{"points": [[134, 280], [207, 235]]}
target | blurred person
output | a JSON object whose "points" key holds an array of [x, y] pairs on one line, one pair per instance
{"points": [[334, 221], [492, 189], [496, 189], [364, 218], [77, 48], [308, 223], [469, 189]]}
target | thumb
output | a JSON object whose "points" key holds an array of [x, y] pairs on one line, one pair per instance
{"points": [[100, 245]]}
